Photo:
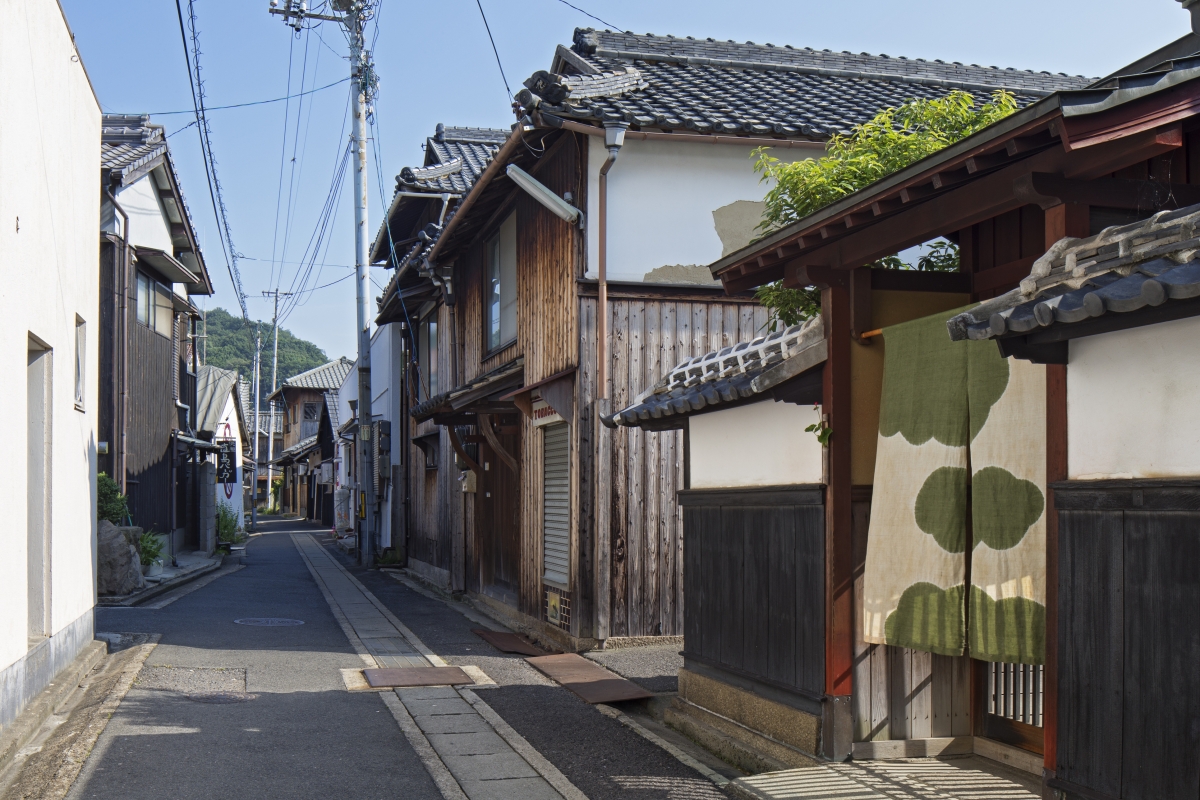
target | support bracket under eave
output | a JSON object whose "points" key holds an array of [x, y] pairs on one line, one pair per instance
{"points": [[485, 427], [462, 451]]}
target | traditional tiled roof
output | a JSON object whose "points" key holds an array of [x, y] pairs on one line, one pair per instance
{"points": [[454, 159], [732, 87], [246, 396], [129, 142], [295, 451], [325, 377], [130, 146], [728, 376], [492, 382], [1121, 269]]}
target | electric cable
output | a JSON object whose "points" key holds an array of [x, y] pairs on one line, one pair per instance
{"points": [[245, 105], [494, 50], [586, 14], [210, 166]]}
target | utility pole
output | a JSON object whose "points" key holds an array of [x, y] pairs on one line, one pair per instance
{"points": [[274, 385], [254, 491], [353, 16]]}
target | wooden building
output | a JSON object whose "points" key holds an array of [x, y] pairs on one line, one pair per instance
{"points": [[551, 274], [304, 399], [150, 268], [1013, 198], [1118, 310]]}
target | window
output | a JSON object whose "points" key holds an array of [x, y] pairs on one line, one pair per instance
{"points": [[80, 362], [155, 307], [500, 302], [145, 293], [427, 353], [312, 420]]}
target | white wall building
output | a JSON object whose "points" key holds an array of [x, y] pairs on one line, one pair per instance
{"points": [[49, 318], [219, 414]]}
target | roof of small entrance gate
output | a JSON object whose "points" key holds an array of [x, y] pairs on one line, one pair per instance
{"points": [[769, 367], [1122, 269]]}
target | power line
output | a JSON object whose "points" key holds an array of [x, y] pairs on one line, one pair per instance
{"points": [[586, 14], [282, 159], [494, 50], [210, 164], [251, 103]]}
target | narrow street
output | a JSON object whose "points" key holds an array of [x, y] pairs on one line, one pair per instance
{"points": [[222, 709]]}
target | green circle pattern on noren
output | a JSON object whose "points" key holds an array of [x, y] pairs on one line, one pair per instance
{"points": [[941, 508], [1005, 507]]}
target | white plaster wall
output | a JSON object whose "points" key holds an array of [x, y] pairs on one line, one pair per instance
{"points": [[1132, 397], [147, 221], [661, 198], [762, 444], [49, 213], [227, 427]]}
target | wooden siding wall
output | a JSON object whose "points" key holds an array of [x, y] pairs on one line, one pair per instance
{"points": [[754, 601], [901, 693], [647, 338], [107, 314], [1128, 639], [999, 251], [436, 496], [152, 416]]}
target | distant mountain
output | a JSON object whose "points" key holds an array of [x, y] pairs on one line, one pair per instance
{"points": [[231, 346]]}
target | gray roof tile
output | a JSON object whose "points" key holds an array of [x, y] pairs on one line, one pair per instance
{"points": [[454, 160], [744, 88], [1121, 269], [728, 376], [327, 376]]}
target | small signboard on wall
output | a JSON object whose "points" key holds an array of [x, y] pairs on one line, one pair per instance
{"points": [[542, 414], [227, 462]]}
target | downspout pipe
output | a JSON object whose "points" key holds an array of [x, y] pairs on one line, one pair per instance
{"points": [[121, 344], [614, 137]]}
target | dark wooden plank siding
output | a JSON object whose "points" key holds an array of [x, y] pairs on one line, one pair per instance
{"points": [[1091, 637], [1161, 713], [152, 416], [755, 586]]}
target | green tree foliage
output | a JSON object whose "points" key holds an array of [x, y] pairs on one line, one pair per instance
{"points": [[231, 346], [110, 503], [891, 141]]}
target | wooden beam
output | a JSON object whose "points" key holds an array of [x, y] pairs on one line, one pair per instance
{"points": [[1004, 276], [462, 452], [485, 427], [911, 280], [1048, 190], [839, 543], [860, 302], [1131, 150]]}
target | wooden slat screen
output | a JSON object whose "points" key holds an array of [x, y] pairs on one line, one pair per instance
{"points": [[556, 504]]}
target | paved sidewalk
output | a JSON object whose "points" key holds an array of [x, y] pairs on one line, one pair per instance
{"points": [[485, 756]]}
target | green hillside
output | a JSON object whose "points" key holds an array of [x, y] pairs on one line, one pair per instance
{"points": [[231, 346]]}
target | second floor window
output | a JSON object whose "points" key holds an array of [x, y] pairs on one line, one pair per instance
{"points": [[500, 300], [155, 309], [312, 420], [427, 351]]}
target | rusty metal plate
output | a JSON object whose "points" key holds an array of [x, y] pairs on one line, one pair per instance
{"points": [[416, 676], [591, 682], [509, 642]]}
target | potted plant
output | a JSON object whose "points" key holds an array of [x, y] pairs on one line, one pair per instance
{"points": [[151, 547]]}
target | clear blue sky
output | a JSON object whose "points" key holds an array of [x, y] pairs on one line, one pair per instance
{"points": [[436, 65]]}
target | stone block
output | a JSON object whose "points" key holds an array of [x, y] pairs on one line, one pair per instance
{"points": [[788, 725]]}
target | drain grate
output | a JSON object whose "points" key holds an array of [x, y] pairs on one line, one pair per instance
{"points": [[221, 698], [269, 622]]}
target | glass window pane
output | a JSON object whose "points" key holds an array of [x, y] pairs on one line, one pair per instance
{"points": [[143, 299], [433, 360], [164, 311], [508, 279], [492, 301], [80, 360]]}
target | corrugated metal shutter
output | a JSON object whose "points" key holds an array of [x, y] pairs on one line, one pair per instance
{"points": [[556, 504]]}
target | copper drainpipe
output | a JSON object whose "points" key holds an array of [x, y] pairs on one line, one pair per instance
{"points": [[121, 348], [614, 137]]}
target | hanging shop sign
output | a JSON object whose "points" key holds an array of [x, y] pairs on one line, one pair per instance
{"points": [[542, 413]]}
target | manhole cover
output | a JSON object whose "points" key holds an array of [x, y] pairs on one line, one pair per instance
{"points": [[221, 698], [269, 622]]}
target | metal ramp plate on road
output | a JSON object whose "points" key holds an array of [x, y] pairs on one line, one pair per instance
{"points": [[591, 682], [416, 676]]}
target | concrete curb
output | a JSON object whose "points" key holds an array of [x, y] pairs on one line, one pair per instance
{"points": [[26, 726], [609, 711], [162, 588]]}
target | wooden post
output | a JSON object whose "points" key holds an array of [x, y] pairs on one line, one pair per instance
{"points": [[836, 306], [1064, 220]]}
